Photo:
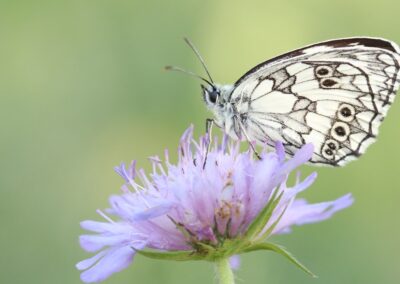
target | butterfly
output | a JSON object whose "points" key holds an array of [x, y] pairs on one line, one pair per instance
{"points": [[333, 94]]}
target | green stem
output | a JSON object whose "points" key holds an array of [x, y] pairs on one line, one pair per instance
{"points": [[224, 271]]}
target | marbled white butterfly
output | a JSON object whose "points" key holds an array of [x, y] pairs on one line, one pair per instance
{"points": [[332, 94]]}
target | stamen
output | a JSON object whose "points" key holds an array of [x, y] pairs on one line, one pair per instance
{"points": [[161, 168], [166, 154], [140, 191], [102, 214]]}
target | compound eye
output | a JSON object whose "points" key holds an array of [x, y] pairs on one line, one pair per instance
{"points": [[212, 96]]}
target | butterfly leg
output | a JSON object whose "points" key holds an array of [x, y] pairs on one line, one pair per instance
{"points": [[243, 130], [209, 125]]}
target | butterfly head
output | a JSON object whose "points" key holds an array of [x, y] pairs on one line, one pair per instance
{"points": [[211, 94], [217, 99], [216, 96]]}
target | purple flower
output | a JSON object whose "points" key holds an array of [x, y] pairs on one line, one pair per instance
{"points": [[187, 211]]}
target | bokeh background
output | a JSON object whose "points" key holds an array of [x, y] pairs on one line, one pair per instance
{"points": [[82, 89]]}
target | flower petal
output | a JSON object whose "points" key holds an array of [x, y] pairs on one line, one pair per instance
{"points": [[300, 157], [114, 261], [86, 263], [93, 243], [307, 182], [280, 151], [102, 227], [300, 212], [321, 211], [153, 212], [121, 170]]}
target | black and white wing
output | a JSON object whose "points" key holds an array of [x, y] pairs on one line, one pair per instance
{"points": [[333, 94]]}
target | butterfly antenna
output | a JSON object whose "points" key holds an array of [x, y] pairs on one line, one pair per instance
{"points": [[191, 45], [178, 69]]}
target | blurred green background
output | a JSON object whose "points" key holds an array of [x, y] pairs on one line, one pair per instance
{"points": [[82, 89]]}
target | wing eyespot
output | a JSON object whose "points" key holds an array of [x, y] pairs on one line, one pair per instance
{"points": [[329, 83], [323, 71], [328, 153], [332, 145], [329, 149], [346, 112], [340, 131]]}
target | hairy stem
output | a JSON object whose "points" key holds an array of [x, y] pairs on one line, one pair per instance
{"points": [[224, 272]]}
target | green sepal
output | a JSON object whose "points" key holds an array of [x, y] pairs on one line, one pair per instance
{"points": [[171, 255], [230, 247], [263, 217], [282, 251], [270, 229], [181, 228]]}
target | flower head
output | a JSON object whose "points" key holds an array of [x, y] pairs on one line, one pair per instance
{"points": [[194, 210]]}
